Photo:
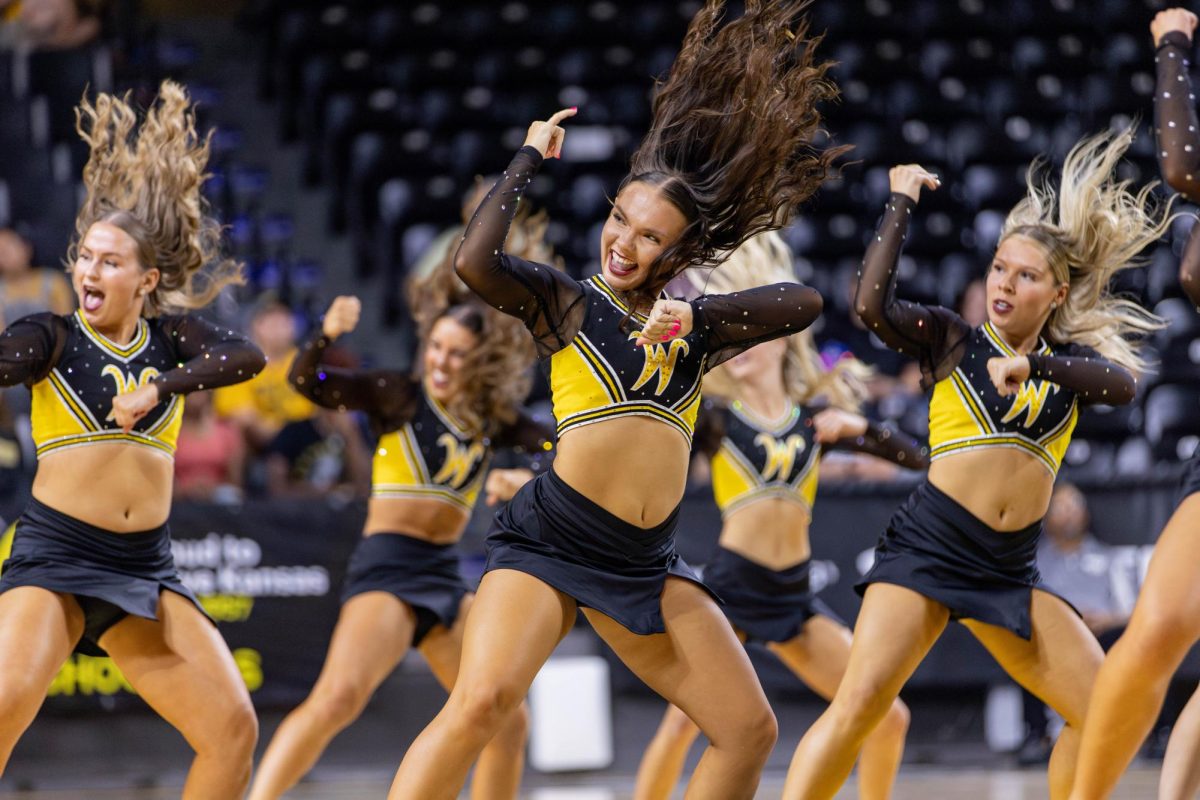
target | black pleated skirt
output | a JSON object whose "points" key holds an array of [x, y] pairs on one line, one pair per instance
{"points": [[767, 605], [111, 575], [554, 533], [941, 550], [422, 574]]}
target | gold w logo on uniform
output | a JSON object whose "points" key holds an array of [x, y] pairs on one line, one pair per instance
{"points": [[1030, 398], [660, 362], [459, 461], [781, 454], [125, 381]]}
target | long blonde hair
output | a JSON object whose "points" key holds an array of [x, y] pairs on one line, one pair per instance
{"points": [[1093, 227], [147, 183], [765, 259]]}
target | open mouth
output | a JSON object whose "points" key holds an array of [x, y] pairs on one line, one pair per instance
{"points": [[92, 299], [620, 267], [439, 380], [1001, 307]]}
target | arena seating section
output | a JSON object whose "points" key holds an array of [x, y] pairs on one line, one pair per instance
{"points": [[398, 105]]}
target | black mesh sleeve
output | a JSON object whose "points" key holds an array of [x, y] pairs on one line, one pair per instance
{"points": [[710, 428], [30, 347], [1189, 267], [530, 438], [733, 323], [895, 446], [932, 334], [388, 397], [1083, 371], [1175, 116], [212, 356], [545, 299]]}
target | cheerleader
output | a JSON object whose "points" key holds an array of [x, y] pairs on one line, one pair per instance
{"points": [[729, 155], [1166, 619], [783, 411], [437, 431], [91, 565], [1005, 401]]}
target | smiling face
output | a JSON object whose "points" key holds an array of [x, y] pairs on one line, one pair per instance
{"points": [[449, 344], [109, 280], [641, 225], [1020, 288]]}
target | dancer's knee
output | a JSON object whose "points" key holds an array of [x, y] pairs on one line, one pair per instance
{"points": [[339, 704], [486, 705]]}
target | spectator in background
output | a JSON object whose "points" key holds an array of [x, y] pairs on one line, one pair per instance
{"points": [[972, 304], [26, 289], [53, 24], [261, 407], [210, 454], [1076, 565], [323, 454]]}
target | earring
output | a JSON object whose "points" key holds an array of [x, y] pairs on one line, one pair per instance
{"points": [[1053, 306]]}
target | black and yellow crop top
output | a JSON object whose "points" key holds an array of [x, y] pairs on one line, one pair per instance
{"points": [[966, 412], [757, 459], [423, 451], [74, 372], [587, 333]]}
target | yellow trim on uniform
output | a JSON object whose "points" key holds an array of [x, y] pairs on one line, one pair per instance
{"points": [[633, 408], [601, 284], [600, 368], [994, 337], [441, 494], [65, 395], [971, 402], [446, 417], [995, 440], [123, 352], [97, 437]]}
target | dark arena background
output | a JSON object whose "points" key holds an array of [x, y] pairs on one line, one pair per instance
{"points": [[347, 133]]}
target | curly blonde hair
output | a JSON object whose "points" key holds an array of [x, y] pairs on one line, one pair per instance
{"points": [[1090, 229], [145, 179], [766, 259], [496, 375]]}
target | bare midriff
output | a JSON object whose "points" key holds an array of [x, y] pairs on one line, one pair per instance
{"points": [[633, 467], [771, 532], [120, 487], [1006, 489], [432, 521]]}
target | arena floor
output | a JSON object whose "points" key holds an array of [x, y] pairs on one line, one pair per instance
{"points": [[914, 784]]}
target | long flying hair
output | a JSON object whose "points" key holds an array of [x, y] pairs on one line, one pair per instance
{"points": [[145, 179], [1091, 228], [731, 141], [766, 259]]}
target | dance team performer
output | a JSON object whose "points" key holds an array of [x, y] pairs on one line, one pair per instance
{"points": [[1133, 681], [1005, 401], [437, 431], [729, 155], [91, 564], [779, 412]]}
